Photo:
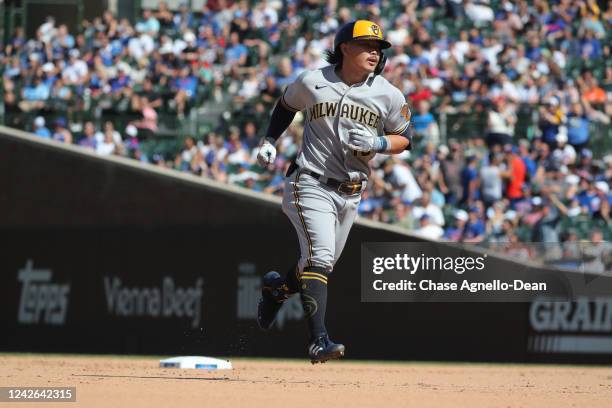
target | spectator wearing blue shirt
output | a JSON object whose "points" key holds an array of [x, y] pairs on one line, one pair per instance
{"points": [[418, 58], [107, 55], [14, 70], [49, 74], [184, 17], [534, 51], [236, 53], [149, 23], [528, 158], [63, 39], [369, 204], [455, 232], [590, 47], [569, 44], [423, 122], [37, 91], [588, 196], [19, 38], [554, 25], [40, 129], [275, 186], [474, 230], [88, 139], [185, 86], [551, 117], [34, 95], [251, 139], [476, 37], [577, 127], [285, 73], [122, 81], [469, 180], [61, 132]]}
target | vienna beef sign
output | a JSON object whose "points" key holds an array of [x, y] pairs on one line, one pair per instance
{"points": [[164, 301]]}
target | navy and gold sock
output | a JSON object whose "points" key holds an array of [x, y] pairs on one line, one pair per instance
{"points": [[313, 290]]}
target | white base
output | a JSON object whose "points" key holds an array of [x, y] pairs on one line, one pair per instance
{"points": [[202, 363]]}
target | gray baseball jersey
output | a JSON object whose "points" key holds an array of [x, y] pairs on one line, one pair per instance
{"points": [[332, 108]]}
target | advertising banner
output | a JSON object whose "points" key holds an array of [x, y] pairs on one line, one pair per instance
{"points": [[112, 256]]}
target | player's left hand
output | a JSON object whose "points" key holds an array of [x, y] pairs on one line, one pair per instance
{"points": [[266, 154], [361, 140]]}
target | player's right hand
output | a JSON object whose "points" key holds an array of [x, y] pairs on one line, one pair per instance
{"points": [[361, 140], [266, 154]]}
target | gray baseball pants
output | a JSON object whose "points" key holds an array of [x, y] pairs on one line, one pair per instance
{"points": [[322, 218]]}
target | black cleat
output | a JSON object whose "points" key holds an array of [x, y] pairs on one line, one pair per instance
{"points": [[323, 349], [273, 293]]}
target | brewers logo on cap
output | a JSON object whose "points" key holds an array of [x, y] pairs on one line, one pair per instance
{"points": [[361, 30], [365, 29]]}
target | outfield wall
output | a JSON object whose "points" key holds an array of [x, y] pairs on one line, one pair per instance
{"points": [[107, 255]]}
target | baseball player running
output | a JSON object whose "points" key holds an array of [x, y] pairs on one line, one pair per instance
{"points": [[351, 113]]}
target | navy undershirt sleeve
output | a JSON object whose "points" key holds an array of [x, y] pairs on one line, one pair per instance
{"points": [[407, 133], [279, 122]]}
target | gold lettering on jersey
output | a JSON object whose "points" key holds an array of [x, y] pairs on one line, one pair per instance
{"points": [[344, 111], [331, 108], [347, 111], [354, 113]]}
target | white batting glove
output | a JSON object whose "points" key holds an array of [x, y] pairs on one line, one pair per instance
{"points": [[364, 141], [266, 154], [360, 140]]}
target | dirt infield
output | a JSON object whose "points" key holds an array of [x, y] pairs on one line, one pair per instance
{"points": [[103, 381]]}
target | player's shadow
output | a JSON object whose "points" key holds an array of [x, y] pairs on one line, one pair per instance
{"points": [[156, 377], [159, 377]]}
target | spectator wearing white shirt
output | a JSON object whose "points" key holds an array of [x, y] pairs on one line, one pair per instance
{"points": [[428, 229], [501, 120], [508, 89], [143, 45], [461, 47], [46, 32], [328, 25], [76, 72], [410, 188], [250, 87], [491, 181], [399, 34], [109, 128], [262, 11], [107, 145], [427, 207], [490, 51], [479, 12]]}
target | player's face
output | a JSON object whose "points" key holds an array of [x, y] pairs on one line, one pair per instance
{"points": [[364, 54]]}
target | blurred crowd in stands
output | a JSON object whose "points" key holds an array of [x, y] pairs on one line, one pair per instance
{"points": [[548, 61]]}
